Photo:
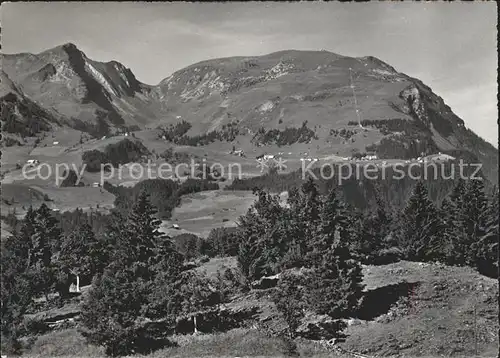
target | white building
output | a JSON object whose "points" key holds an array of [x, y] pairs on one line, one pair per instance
{"points": [[32, 162]]}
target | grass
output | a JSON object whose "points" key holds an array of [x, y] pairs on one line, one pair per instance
{"points": [[65, 343], [438, 322], [235, 343], [216, 264], [437, 319], [201, 212]]}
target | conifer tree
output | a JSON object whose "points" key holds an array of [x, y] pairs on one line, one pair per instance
{"points": [[289, 300], [450, 232], [374, 229], [251, 247], [262, 237], [333, 226], [474, 219], [120, 301], [17, 290], [453, 245], [419, 225], [335, 286], [45, 240], [305, 209], [80, 253], [486, 248]]}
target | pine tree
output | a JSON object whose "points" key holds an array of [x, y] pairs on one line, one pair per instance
{"points": [[374, 229], [48, 234], [45, 240], [289, 300], [453, 246], [451, 231], [305, 209], [80, 253], [486, 248], [251, 246], [142, 238], [17, 290], [475, 211], [336, 287], [112, 313], [120, 302], [333, 226], [419, 225], [262, 237]]}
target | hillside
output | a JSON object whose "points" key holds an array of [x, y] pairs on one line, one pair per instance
{"points": [[300, 100], [435, 318]]}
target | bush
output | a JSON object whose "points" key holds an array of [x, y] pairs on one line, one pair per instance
{"points": [[388, 256], [34, 326]]}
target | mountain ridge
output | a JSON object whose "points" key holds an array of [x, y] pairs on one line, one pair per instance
{"points": [[268, 94]]}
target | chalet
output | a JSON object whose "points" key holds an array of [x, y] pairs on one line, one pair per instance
{"points": [[32, 162]]}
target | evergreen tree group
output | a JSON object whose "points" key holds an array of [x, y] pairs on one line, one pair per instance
{"points": [[311, 232], [314, 241]]}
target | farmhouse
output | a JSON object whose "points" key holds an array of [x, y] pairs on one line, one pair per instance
{"points": [[239, 153], [32, 162]]}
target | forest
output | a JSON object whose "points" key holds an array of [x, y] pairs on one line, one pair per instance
{"points": [[317, 242]]}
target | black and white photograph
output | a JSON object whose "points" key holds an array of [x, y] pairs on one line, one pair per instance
{"points": [[249, 179]]}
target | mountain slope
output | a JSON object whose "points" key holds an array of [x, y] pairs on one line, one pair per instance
{"points": [[262, 101], [21, 117], [86, 91], [401, 116]]}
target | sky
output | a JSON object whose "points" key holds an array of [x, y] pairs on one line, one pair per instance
{"points": [[451, 47]]}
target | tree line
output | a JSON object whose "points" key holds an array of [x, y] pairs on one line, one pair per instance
{"points": [[122, 152]]}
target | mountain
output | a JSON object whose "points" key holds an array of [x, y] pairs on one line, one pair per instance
{"points": [[21, 116], [84, 91], [306, 99]]}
